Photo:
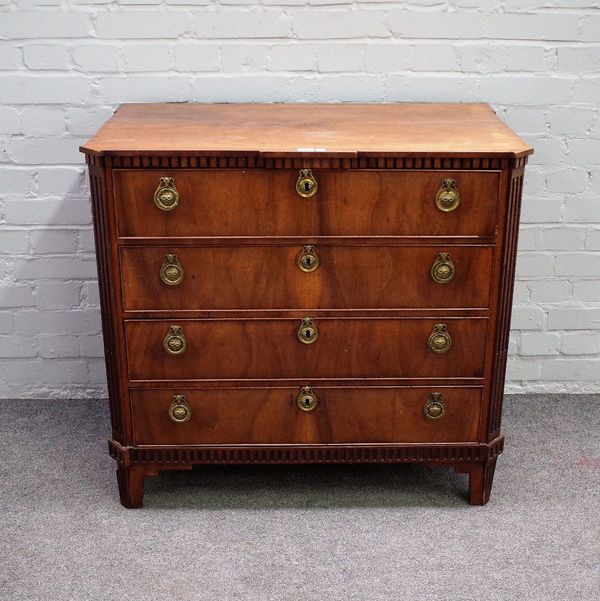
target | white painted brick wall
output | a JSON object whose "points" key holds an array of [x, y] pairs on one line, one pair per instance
{"points": [[66, 64]]}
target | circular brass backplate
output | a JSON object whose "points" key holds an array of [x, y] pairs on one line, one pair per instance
{"points": [[448, 197], [443, 270], [175, 343], [180, 411], [171, 272], [166, 196], [439, 341], [307, 400], [434, 409]]}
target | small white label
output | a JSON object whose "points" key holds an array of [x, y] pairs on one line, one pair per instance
{"points": [[311, 150]]}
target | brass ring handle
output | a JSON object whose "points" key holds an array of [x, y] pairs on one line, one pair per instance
{"points": [[307, 259], [171, 272], [439, 341], [179, 411], [166, 197], [308, 331], [448, 196], [306, 185], [174, 342], [307, 400], [443, 270], [434, 408]]}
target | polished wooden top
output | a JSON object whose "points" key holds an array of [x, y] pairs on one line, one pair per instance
{"points": [[307, 129]]}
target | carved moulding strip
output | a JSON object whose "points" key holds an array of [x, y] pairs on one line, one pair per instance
{"points": [[262, 162], [176, 457]]}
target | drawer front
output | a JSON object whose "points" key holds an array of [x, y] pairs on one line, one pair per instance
{"points": [[272, 349], [272, 415], [269, 277], [265, 202]]}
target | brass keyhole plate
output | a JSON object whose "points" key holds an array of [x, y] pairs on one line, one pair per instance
{"points": [[307, 400], [306, 186], [308, 331], [307, 259]]}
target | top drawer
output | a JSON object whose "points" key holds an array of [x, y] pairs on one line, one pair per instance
{"points": [[221, 203]]}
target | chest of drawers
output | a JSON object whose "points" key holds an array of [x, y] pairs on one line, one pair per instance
{"points": [[305, 284]]}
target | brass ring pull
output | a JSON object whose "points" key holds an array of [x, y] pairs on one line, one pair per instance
{"points": [[306, 185], [448, 196], [307, 259], [179, 411], [308, 331], [439, 340], [435, 408], [174, 342], [307, 400], [166, 197], [171, 272], [443, 270]]}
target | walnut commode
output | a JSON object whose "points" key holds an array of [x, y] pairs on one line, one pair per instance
{"points": [[305, 284]]}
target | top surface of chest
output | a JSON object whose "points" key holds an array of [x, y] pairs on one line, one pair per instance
{"points": [[342, 130]]}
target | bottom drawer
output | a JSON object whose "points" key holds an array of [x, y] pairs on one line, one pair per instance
{"points": [[295, 415]]}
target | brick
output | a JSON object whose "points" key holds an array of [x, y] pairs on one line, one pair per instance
{"points": [[16, 296], [525, 89], [10, 121], [189, 2], [96, 58], [524, 26], [590, 31], [583, 318], [57, 322], [574, 264], [584, 211], [524, 58], [480, 58], [292, 57], [241, 24], [10, 57], [86, 240], [17, 346], [52, 347], [526, 120], [540, 343], [6, 322], [436, 25], [46, 56], [571, 120], [34, 89], [587, 90], [580, 343], [435, 57], [528, 318], [587, 290], [521, 293], [42, 121], [243, 57], [141, 24], [528, 239], [550, 291], [548, 151], [339, 25], [54, 241], [563, 239], [57, 295], [54, 24], [97, 373], [35, 372], [148, 57], [592, 240], [14, 241], [534, 264], [91, 346], [197, 57], [350, 88], [571, 370], [91, 294], [578, 59], [63, 181], [56, 268], [519, 369], [546, 210], [584, 152], [252, 88], [567, 181], [85, 122], [387, 58], [146, 88], [48, 212], [340, 57], [17, 182], [431, 88]]}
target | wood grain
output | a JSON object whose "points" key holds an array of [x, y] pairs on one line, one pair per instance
{"points": [[348, 277], [265, 203], [271, 416], [270, 349]]}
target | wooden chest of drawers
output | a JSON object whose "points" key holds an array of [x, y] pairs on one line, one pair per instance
{"points": [[305, 284]]}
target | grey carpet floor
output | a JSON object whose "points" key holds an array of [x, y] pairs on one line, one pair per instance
{"points": [[309, 533]]}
